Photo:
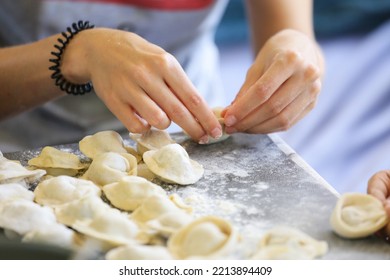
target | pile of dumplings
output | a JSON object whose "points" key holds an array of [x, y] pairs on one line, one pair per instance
{"points": [[108, 203]]}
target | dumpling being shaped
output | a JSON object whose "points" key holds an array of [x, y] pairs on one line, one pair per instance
{"points": [[172, 164], [130, 192], [153, 139], [102, 142], [208, 237], [22, 216], [287, 243], [13, 172], [14, 191], [217, 112], [111, 167], [63, 189], [358, 215], [57, 162]]}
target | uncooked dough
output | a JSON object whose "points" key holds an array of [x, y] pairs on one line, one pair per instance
{"points": [[208, 237], [172, 164], [358, 215], [287, 243]]}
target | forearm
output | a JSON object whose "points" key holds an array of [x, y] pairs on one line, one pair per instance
{"points": [[268, 17], [25, 77]]}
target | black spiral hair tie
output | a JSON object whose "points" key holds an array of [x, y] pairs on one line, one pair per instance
{"points": [[60, 81]]}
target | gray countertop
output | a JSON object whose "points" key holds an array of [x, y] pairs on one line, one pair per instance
{"points": [[258, 182]]}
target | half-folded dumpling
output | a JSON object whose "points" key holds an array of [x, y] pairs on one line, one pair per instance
{"points": [[13, 172], [286, 243], [102, 142], [172, 164], [111, 167], [57, 162], [139, 252], [358, 215], [207, 237], [63, 189], [130, 192], [153, 139]]}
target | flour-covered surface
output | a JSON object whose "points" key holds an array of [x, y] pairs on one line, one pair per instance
{"points": [[257, 182]]}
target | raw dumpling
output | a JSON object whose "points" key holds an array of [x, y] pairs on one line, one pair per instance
{"points": [[207, 237], [153, 139], [139, 252], [153, 207], [84, 209], [285, 243], [57, 162], [173, 165], [144, 172], [358, 215], [130, 192], [23, 216], [14, 191], [57, 235], [111, 167], [111, 226], [63, 189], [169, 222], [102, 142], [13, 172], [217, 112]]}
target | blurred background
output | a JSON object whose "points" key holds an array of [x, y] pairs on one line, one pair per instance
{"points": [[346, 138]]}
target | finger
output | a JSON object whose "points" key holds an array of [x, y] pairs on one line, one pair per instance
{"points": [[181, 86], [258, 93], [284, 96], [127, 115], [279, 118], [379, 185], [148, 109], [176, 110], [287, 118]]}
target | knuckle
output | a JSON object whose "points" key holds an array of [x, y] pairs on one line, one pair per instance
{"points": [[275, 107], [289, 57], [159, 119], [195, 99], [177, 112], [311, 72], [284, 122], [166, 61], [315, 88], [262, 90]]}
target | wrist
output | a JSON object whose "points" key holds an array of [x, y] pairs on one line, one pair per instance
{"points": [[66, 74]]}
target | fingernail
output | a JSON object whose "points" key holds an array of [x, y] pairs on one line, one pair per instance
{"points": [[204, 140], [230, 130], [216, 133], [230, 120]]}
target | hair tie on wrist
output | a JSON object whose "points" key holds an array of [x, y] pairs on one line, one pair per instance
{"points": [[60, 81]]}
